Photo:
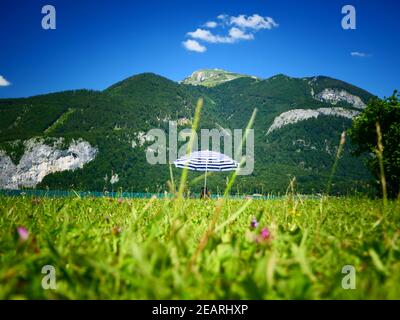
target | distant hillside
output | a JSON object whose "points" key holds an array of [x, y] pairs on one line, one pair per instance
{"points": [[79, 139]]}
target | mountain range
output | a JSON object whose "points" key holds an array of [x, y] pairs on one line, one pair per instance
{"points": [[96, 140]]}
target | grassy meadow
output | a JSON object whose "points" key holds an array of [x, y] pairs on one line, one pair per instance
{"points": [[289, 248]]}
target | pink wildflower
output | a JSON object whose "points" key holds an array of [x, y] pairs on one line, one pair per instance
{"points": [[23, 233]]}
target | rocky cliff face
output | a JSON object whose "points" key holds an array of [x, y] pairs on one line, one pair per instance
{"points": [[42, 159], [334, 96], [296, 115]]}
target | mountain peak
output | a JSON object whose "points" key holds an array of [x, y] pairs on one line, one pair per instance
{"points": [[280, 76], [133, 83], [211, 77]]}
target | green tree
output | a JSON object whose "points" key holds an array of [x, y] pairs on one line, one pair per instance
{"points": [[364, 135]]}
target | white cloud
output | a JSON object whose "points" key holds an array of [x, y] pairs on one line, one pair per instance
{"points": [[203, 34], [255, 22], [359, 54], [211, 24], [235, 35], [4, 82], [222, 16], [193, 45], [239, 28], [238, 34], [208, 36]]}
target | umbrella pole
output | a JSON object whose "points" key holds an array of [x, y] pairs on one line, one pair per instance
{"points": [[205, 179]]}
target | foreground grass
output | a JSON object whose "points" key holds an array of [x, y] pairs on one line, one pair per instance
{"points": [[149, 249]]}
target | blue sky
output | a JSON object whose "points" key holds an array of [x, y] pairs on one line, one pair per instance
{"points": [[97, 43]]}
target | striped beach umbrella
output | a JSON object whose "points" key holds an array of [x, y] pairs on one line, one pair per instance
{"points": [[206, 160]]}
